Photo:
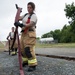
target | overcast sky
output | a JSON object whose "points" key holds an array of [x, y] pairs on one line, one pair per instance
{"points": [[50, 15]]}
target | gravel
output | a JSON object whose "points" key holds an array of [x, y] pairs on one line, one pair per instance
{"points": [[46, 66]]}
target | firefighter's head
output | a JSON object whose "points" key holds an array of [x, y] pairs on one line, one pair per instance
{"points": [[12, 29], [30, 7]]}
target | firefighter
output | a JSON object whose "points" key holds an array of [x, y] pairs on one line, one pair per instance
{"points": [[28, 37], [10, 38]]}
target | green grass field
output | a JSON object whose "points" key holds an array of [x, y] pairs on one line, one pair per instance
{"points": [[58, 45], [1, 47]]}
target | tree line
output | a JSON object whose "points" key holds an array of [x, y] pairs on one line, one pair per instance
{"points": [[67, 33]]}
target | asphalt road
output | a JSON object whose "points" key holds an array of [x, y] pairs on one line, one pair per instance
{"points": [[67, 52]]}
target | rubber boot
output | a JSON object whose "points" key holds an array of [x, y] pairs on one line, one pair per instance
{"points": [[15, 51], [24, 64], [31, 68]]}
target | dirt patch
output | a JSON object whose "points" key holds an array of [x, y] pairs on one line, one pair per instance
{"points": [[2, 49]]}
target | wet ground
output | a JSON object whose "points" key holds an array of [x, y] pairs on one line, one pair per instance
{"points": [[46, 66]]}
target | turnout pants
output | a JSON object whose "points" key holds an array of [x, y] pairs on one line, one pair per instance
{"points": [[14, 49], [28, 41]]}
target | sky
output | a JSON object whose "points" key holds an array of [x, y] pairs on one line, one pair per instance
{"points": [[50, 14]]}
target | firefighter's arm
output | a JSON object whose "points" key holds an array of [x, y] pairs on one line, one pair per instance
{"points": [[7, 37], [30, 24], [33, 21], [20, 18]]}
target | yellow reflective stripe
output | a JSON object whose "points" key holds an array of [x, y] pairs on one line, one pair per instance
{"points": [[32, 61], [34, 48], [24, 59], [12, 52]]}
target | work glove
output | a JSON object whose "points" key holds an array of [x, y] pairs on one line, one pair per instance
{"points": [[19, 24]]}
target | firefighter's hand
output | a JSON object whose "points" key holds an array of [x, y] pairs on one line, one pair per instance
{"points": [[19, 24]]}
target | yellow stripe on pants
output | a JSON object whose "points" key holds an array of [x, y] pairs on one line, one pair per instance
{"points": [[24, 59], [32, 61]]}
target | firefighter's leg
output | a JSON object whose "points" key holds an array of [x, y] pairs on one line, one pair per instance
{"points": [[16, 46], [12, 50], [29, 43], [15, 51], [32, 61], [24, 58]]}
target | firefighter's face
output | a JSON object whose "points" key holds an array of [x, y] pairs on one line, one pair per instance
{"points": [[12, 28], [29, 8]]}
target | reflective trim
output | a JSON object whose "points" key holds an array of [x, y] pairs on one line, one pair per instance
{"points": [[32, 61], [24, 59], [34, 48], [12, 52]]}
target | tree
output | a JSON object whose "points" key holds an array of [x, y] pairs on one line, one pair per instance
{"points": [[70, 14], [56, 34], [65, 34], [47, 35]]}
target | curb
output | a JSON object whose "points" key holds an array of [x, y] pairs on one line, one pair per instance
{"points": [[57, 56]]}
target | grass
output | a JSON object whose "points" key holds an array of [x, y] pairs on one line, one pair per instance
{"points": [[56, 45], [1, 47]]}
